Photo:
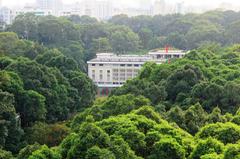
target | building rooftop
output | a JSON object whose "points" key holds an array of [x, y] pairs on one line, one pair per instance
{"points": [[111, 57]]}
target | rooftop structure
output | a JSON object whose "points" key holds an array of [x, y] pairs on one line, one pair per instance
{"points": [[109, 70]]}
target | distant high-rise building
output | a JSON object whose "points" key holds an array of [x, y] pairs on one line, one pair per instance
{"points": [[89, 6], [144, 4], [104, 10], [179, 8], [159, 7], [49, 4], [6, 15], [226, 6], [98, 9]]}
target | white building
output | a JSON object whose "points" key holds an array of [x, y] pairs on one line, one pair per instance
{"points": [[6, 15], [102, 10], [54, 5], [159, 7], [109, 71], [145, 4], [37, 12], [49, 4], [180, 8], [132, 12]]}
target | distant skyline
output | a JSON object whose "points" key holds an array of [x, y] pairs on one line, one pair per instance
{"points": [[133, 2]]}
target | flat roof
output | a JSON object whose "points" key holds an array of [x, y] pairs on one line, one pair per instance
{"points": [[113, 58]]}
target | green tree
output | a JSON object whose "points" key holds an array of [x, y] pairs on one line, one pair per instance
{"points": [[224, 132], [45, 152], [32, 107], [195, 118], [26, 26], [48, 134], [232, 152], [168, 148], [124, 40], [11, 132], [89, 136], [83, 20], [146, 36], [5, 154], [28, 150], [98, 153], [207, 146]]}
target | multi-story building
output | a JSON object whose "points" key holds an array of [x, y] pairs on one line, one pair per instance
{"points": [[54, 5], [37, 12], [159, 7], [132, 12], [49, 4], [102, 10], [179, 8], [109, 70], [6, 16]]}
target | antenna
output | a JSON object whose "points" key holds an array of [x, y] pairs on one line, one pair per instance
{"points": [[166, 48]]}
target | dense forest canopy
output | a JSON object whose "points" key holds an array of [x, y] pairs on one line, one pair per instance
{"points": [[82, 37], [185, 109]]}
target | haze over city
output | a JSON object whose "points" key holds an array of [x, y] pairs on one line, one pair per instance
{"points": [[134, 2], [106, 9]]}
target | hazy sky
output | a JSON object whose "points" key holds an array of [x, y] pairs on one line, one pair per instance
{"points": [[132, 2]]}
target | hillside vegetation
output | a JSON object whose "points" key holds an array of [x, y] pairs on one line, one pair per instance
{"points": [[183, 109]]}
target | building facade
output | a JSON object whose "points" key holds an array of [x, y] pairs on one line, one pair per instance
{"points": [[101, 10], [110, 71], [6, 16], [54, 5]]}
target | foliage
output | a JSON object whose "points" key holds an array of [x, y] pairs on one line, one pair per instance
{"points": [[45, 152], [208, 146], [28, 150], [50, 135], [10, 129], [42, 82], [5, 154]]}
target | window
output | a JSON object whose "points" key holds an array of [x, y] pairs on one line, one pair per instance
{"points": [[100, 64], [115, 78], [108, 75], [136, 65], [101, 75], [168, 56], [176, 56], [122, 65], [129, 70], [122, 79], [129, 65], [93, 74], [93, 64]]}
